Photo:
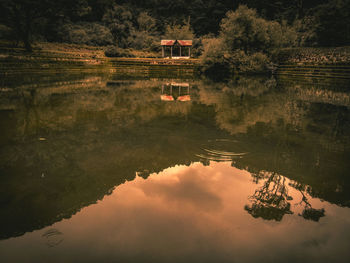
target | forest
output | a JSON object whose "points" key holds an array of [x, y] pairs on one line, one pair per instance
{"points": [[226, 33]]}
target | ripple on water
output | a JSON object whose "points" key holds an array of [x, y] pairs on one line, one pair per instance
{"points": [[221, 150]]}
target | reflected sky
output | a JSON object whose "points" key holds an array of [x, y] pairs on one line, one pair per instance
{"points": [[252, 170], [192, 213]]}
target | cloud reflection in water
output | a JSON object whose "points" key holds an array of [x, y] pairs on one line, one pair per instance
{"points": [[192, 214]]}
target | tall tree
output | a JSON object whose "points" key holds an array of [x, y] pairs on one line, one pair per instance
{"points": [[333, 20], [20, 16], [119, 21], [23, 16]]}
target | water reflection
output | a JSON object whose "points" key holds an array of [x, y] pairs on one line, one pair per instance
{"points": [[53, 237], [175, 91], [194, 212], [270, 201], [280, 153], [217, 150]]}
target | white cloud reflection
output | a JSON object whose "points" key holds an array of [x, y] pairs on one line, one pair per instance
{"points": [[188, 214]]}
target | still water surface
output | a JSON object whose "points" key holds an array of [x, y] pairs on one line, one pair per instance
{"points": [[101, 169]]}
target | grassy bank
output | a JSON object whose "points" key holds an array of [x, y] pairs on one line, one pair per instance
{"points": [[317, 56], [49, 56], [48, 62], [320, 63], [61, 56], [53, 59], [70, 58]]}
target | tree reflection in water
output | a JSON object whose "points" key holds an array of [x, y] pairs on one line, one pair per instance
{"points": [[308, 212], [270, 201], [297, 130]]}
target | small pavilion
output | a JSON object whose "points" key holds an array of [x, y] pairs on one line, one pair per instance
{"points": [[175, 91], [174, 44]]}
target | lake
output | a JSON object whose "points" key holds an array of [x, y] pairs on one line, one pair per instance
{"points": [[103, 168]]}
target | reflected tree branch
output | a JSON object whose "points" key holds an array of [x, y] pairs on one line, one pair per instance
{"points": [[270, 202]]}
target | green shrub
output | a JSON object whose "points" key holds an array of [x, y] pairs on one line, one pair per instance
{"points": [[305, 29], [333, 23], [243, 29], [114, 51], [245, 43], [216, 59], [253, 63], [93, 34], [142, 40], [197, 48], [119, 21], [146, 23], [145, 37], [177, 31]]}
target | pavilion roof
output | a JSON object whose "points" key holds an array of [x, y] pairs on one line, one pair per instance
{"points": [[170, 42], [167, 42], [185, 43]]}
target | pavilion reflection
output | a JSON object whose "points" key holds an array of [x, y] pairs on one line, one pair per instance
{"points": [[175, 91]]}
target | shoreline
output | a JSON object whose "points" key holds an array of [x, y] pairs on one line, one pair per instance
{"points": [[61, 58]]}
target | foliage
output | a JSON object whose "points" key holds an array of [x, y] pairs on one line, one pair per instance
{"points": [[244, 41], [20, 16], [179, 31], [257, 62], [205, 15], [114, 51], [216, 59], [270, 201], [219, 62], [333, 23], [197, 47], [314, 55], [244, 29], [306, 31], [259, 26], [119, 21], [146, 23], [142, 40], [93, 34], [25, 17], [145, 37]]}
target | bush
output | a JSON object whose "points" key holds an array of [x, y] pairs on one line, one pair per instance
{"points": [[119, 21], [145, 38], [146, 23], [142, 40], [197, 48], [93, 34], [333, 23], [218, 61], [254, 63], [215, 59], [114, 51], [305, 29], [182, 32], [244, 43], [243, 29]]}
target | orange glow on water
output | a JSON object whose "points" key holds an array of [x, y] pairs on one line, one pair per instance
{"points": [[191, 211]]}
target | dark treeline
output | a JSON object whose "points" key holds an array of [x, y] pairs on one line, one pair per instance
{"points": [[229, 35], [102, 22]]}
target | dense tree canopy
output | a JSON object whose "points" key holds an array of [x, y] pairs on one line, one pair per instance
{"points": [[318, 22]]}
